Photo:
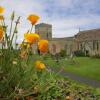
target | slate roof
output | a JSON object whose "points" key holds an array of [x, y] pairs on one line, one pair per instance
{"points": [[93, 34]]}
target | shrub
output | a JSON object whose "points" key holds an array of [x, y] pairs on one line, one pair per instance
{"points": [[96, 56], [79, 53], [62, 53]]}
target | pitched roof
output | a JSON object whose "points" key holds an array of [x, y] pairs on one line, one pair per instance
{"points": [[65, 38], [93, 34]]}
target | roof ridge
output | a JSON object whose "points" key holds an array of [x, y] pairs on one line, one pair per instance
{"points": [[90, 30]]}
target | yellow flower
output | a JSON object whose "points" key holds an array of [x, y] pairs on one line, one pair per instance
{"points": [[68, 98], [33, 18], [28, 46], [1, 9], [1, 17], [43, 46], [40, 65], [31, 38], [25, 45], [14, 62], [1, 33], [37, 62]]}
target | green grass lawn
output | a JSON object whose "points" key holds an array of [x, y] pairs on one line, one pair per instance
{"points": [[84, 66]]}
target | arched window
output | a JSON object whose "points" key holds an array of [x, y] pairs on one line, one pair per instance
{"points": [[93, 45], [54, 48], [47, 35], [97, 45], [65, 46]]}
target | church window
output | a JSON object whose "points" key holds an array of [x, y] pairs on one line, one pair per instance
{"points": [[93, 45], [97, 45], [54, 48]]}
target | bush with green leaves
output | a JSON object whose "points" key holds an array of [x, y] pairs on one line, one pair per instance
{"points": [[79, 53], [62, 53]]}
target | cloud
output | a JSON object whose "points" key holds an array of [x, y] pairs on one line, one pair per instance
{"points": [[66, 16]]}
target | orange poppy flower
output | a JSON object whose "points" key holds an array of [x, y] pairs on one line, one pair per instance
{"points": [[31, 38], [43, 46], [1, 9], [40, 65], [33, 18], [1, 34]]}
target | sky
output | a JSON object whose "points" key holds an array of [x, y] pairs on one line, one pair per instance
{"points": [[66, 16]]}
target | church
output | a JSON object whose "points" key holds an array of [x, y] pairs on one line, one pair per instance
{"points": [[87, 41]]}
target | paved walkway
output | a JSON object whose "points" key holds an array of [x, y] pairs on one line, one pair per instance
{"points": [[78, 78]]}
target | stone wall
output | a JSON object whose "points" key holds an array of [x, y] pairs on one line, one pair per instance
{"points": [[89, 41], [58, 44]]}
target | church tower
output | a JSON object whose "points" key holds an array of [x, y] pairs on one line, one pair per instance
{"points": [[44, 30]]}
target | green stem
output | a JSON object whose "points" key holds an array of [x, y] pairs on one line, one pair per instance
{"points": [[10, 28], [31, 28], [14, 31], [3, 23], [5, 29], [16, 41]]}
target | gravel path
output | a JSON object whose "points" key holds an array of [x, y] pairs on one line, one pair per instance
{"points": [[78, 78]]}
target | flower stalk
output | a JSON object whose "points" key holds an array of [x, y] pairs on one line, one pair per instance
{"points": [[17, 22], [31, 28], [12, 19]]}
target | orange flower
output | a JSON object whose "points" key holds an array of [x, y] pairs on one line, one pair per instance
{"points": [[1, 9], [31, 38], [1, 34], [40, 65], [33, 18], [43, 46], [1, 17]]}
